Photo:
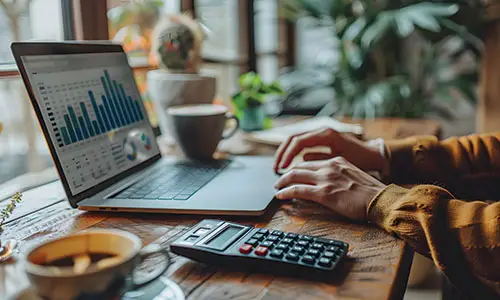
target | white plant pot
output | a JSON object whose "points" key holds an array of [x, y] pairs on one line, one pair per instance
{"points": [[170, 89]]}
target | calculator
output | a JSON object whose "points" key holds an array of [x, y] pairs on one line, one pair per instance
{"points": [[258, 249]]}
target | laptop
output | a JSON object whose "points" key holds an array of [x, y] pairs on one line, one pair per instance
{"points": [[104, 148]]}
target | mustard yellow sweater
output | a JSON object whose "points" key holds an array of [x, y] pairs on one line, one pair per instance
{"points": [[461, 236]]}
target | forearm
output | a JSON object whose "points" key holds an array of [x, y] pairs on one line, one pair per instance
{"points": [[462, 238], [457, 163]]}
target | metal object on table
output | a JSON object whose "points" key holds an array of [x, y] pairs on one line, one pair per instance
{"points": [[8, 249]]}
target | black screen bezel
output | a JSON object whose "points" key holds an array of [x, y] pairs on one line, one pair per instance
{"points": [[20, 49]]}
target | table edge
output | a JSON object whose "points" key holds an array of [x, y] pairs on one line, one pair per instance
{"points": [[400, 282]]}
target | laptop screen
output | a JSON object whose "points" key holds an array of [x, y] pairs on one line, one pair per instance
{"points": [[94, 115]]}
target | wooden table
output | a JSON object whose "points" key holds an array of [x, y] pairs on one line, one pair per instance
{"points": [[377, 266]]}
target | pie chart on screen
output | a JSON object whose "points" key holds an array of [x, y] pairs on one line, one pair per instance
{"points": [[130, 149], [146, 141]]}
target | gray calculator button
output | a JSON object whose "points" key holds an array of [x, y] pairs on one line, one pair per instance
{"points": [[328, 254], [292, 256], [266, 244], [252, 242], [298, 249], [303, 243], [313, 252], [308, 259], [282, 246], [317, 246], [331, 248], [272, 238], [325, 262], [258, 236], [277, 253]]}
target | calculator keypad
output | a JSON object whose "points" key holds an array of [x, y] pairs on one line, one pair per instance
{"points": [[292, 247], [259, 248]]}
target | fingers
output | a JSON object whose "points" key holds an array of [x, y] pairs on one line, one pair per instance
{"points": [[311, 165], [296, 177], [301, 142], [316, 156], [281, 150], [299, 191]]}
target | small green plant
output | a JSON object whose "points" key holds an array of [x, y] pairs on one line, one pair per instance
{"points": [[253, 91], [9, 209], [248, 101]]}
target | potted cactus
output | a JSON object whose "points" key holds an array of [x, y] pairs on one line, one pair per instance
{"points": [[248, 102], [176, 49]]}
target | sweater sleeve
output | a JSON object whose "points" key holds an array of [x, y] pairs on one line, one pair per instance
{"points": [[468, 166], [463, 238]]}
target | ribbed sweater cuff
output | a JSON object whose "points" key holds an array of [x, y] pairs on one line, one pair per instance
{"points": [[382, 204]]}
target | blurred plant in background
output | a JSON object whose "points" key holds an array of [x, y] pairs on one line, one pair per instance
{"points": [[248, 102], [132, 25], [399, 58]]}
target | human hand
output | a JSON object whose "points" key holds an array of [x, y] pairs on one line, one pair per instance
{"points": [[334, 183], [359, 153]]}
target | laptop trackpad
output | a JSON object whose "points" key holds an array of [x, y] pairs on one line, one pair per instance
{"points": [[246, 184]]}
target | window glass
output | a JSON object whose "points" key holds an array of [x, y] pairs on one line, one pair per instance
{"points": [[22, 147]]}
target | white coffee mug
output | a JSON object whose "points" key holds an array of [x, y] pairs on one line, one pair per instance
{"points": [[106, 282]]}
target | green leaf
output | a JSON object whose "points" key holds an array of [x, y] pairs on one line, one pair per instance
{"points": [[353, 54], [425, 14], [424, 21], [376, 30], [353, 30], [246, 80], [463, 32], [256, 84], [316, 9], [404, 26], [239, 101], [254, 101], [276, 88], [268, 123]]}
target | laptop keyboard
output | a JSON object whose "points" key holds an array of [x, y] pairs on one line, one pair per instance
{"points": [[178, 182]]}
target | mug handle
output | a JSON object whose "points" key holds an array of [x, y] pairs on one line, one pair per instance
{"points": [[146, 252], [230, 116]]}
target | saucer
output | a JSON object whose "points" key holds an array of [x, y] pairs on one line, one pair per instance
{"points": [[161, 289]]}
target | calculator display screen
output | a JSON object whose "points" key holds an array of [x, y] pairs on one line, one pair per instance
{"points": [[222, 237]]}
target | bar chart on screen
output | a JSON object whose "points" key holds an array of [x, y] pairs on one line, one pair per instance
{"points": [[92, 115], [88, 108]]}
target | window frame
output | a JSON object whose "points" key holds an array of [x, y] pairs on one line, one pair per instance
{"points": [[76, 25], [80, 26]]}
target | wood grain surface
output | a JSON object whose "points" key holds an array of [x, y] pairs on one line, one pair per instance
{"points": [[377, 265]]}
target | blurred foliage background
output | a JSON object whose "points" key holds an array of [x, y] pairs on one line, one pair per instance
{"points": [[399, 58]]}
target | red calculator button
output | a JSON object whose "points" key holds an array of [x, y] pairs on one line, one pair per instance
{"points": [[245, 249], [261, 251]]}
